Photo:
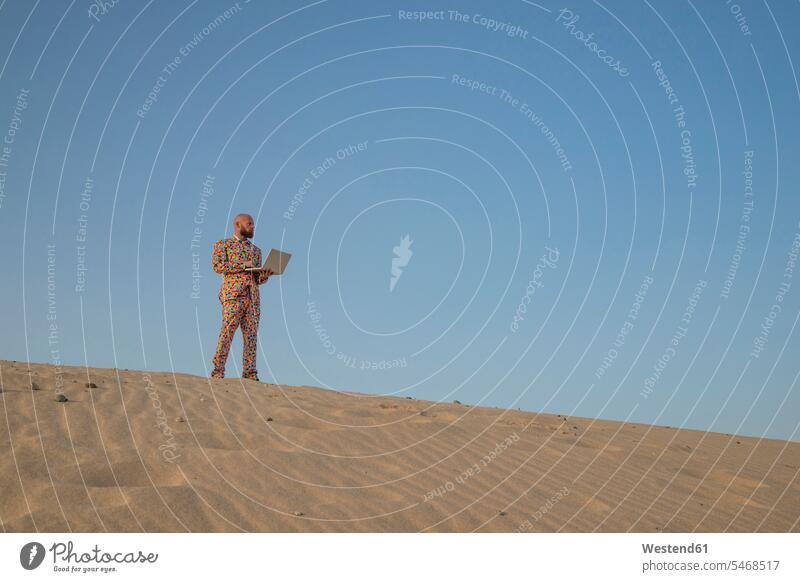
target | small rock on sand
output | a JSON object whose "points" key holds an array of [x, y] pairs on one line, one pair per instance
{"points": [[61, 398], [91, 385], [35, 386]]}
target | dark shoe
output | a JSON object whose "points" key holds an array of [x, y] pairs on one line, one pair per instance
{"points": [[255, 378]]}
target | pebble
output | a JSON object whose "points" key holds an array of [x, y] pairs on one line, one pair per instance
{"points": [[62, 398], [91, 385], [299, 513]]}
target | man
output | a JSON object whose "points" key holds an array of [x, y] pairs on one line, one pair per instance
{"points": [[239, 295]]}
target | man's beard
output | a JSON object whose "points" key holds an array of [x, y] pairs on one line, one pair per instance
{"points": [[247, 233]]}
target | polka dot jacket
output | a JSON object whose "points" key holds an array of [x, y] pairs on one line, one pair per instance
{"points": [[228, 259]]}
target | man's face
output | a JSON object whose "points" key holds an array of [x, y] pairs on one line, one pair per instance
{"points": [[246, 226]]}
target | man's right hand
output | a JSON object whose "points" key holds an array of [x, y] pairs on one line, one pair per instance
{"points": [[248, 265]]}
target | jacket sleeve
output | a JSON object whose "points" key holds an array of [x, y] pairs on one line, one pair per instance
{"points": [[220, 262], [258, 261]]}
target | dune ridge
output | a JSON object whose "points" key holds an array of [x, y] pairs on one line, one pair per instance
{"points": [[156, 451]]}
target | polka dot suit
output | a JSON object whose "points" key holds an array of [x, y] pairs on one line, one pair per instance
{"points": [[241, 302]]}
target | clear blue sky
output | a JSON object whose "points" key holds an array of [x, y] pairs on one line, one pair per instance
{"points": [[652, 147]]}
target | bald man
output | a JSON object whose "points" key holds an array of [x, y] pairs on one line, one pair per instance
{"points": [[239, 296]]}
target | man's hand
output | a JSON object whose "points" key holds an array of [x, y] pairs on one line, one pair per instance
{"points": [[248, 264], [263, 276]]}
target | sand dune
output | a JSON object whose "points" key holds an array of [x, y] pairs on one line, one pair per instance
{"points": [[162, 452]]}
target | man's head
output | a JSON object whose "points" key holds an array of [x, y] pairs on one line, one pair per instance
{"points": [[243, 226]]}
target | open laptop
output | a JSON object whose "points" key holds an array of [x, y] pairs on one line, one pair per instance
{"points": [[276, 262]]}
